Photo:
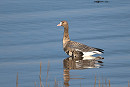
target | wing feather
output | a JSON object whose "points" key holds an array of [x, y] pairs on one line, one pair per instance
{"points": [[75, 46]]}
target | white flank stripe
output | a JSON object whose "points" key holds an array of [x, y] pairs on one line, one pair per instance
{"points": [[77, 50], [91, 53]]}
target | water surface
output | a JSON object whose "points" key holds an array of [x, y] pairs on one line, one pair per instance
{"points": [[28, 35]]}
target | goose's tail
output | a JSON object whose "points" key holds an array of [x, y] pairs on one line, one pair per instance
{"points": [[96, 51]]}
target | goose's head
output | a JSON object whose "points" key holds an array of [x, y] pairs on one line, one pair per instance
{"points": [[63, 23]]}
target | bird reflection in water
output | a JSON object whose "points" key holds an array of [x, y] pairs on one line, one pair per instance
{"points": [[78, 64]]}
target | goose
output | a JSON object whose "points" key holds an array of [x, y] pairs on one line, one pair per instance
{"points": [[76, 49]]}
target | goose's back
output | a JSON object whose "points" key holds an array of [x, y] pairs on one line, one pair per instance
{"points": [[76, 48]]}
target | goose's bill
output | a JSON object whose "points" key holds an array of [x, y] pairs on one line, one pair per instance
{"points": [[59, 24]]}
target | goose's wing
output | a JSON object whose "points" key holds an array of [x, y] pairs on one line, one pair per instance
{"points": [[75, 46]]}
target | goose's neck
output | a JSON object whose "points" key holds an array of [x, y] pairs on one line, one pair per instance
{"points": [[66, 35]]}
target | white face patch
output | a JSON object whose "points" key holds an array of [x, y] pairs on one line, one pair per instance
{"points": [[60, 23]]}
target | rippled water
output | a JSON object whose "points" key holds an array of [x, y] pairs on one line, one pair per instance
{"points": [[28, 35]]}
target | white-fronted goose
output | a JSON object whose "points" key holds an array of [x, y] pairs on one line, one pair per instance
{"points": [[76, 49]]}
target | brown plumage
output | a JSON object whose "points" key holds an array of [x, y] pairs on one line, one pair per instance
{"points": [[76, 49]]}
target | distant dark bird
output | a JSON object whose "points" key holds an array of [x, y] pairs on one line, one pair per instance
{"points": [[75, 49]]}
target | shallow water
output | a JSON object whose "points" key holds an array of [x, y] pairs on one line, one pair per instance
{"points": [[28, 35]]}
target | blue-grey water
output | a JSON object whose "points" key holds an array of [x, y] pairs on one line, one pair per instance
{"points": [[29, 35]]}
